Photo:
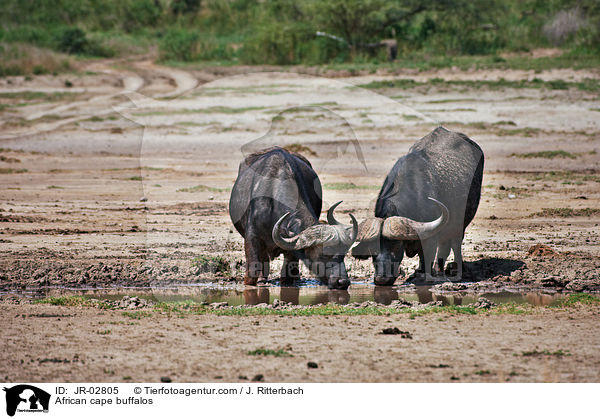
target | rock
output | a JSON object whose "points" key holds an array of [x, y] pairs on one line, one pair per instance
{"points": [[450, 286], [540, 250], [165, 379], [396, 331], [258, 377], [219, 304], [144, 199], [276, 303], [483, 303], [311, 364], [400, 303]]}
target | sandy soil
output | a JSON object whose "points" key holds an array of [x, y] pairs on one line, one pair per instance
{"points": [[50, 344], [123, 179]]}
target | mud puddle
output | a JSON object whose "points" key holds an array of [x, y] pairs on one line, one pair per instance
{"points": [[304, 295]]}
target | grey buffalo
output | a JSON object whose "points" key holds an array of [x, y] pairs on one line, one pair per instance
{"points": [[275, 205], [425, 204]]}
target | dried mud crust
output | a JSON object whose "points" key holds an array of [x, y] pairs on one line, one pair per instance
{"points": [[82, 207]]}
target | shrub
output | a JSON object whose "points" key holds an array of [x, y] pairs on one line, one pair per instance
{"points": [[72, 40], [179, 7], [179, 44]]}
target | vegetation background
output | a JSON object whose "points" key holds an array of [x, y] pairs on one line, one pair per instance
{"points": [[42, 36]]}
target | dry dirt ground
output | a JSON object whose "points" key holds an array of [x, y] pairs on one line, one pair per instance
{"points": [[56, 344], [120, 175]]}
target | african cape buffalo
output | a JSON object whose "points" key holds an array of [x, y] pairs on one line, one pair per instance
{"points": [[275, 205], [440, 180]]}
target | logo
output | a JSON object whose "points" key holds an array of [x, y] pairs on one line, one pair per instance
{"points": [[26, 398]]}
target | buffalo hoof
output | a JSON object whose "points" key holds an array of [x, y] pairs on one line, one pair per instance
{"points": [[339, 284], [384, 281]]}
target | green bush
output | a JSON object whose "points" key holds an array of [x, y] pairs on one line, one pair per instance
{"points": [[72, 40], [141, 14], [179, 7], [179, 44]]}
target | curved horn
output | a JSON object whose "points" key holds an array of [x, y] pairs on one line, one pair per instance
{"points": [[354, 229], [369, 229], [330, 218], [402, 228], [280, 241]]}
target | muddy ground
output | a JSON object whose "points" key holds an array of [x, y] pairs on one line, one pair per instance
{"points": [[120, 174]]}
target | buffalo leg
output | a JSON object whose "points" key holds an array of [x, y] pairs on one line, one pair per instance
{"points": [[442, 254], [257, 262], [429, 249], [457, 251], [290, 271]]}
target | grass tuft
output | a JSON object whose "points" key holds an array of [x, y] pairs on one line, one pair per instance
{"points": [[548, 154], [266, 352]]}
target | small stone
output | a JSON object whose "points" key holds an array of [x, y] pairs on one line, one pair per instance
{"points": [[258, 377], [165, 379], [311, 364], [144, 199], [396, 331]]}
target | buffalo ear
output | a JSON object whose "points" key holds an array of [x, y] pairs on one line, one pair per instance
{"points": [[365, 250]]}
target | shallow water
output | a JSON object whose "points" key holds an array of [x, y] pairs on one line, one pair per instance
{"points": [[304, 295]]}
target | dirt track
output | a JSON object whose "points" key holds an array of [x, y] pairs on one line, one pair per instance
{"points": [[90, 198]]}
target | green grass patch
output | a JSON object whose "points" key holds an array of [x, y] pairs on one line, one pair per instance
{"points": [[566, 212], [558, 353], [566, 177], [182, 308], [10, 170], [587, 85], [483, 372], [203, 188], [137, 315], [343, 186], [212, 109], [212, 264], [270, 352], [72, 301], [577, 299], [548, 154], [512, 308]]}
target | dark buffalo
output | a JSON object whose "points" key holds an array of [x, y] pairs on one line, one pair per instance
{"points": [[275, 205], [439, 179]]}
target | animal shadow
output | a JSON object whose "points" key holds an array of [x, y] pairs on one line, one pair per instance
{"points": [[476, 271]]}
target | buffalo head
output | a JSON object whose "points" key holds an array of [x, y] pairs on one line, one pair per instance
{"points": [[386, 240], [323, 245]]}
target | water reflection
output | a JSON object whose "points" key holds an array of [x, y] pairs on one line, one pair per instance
{"points": [[290, 295], [385, 295], [303, 295], [254, 296]]}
